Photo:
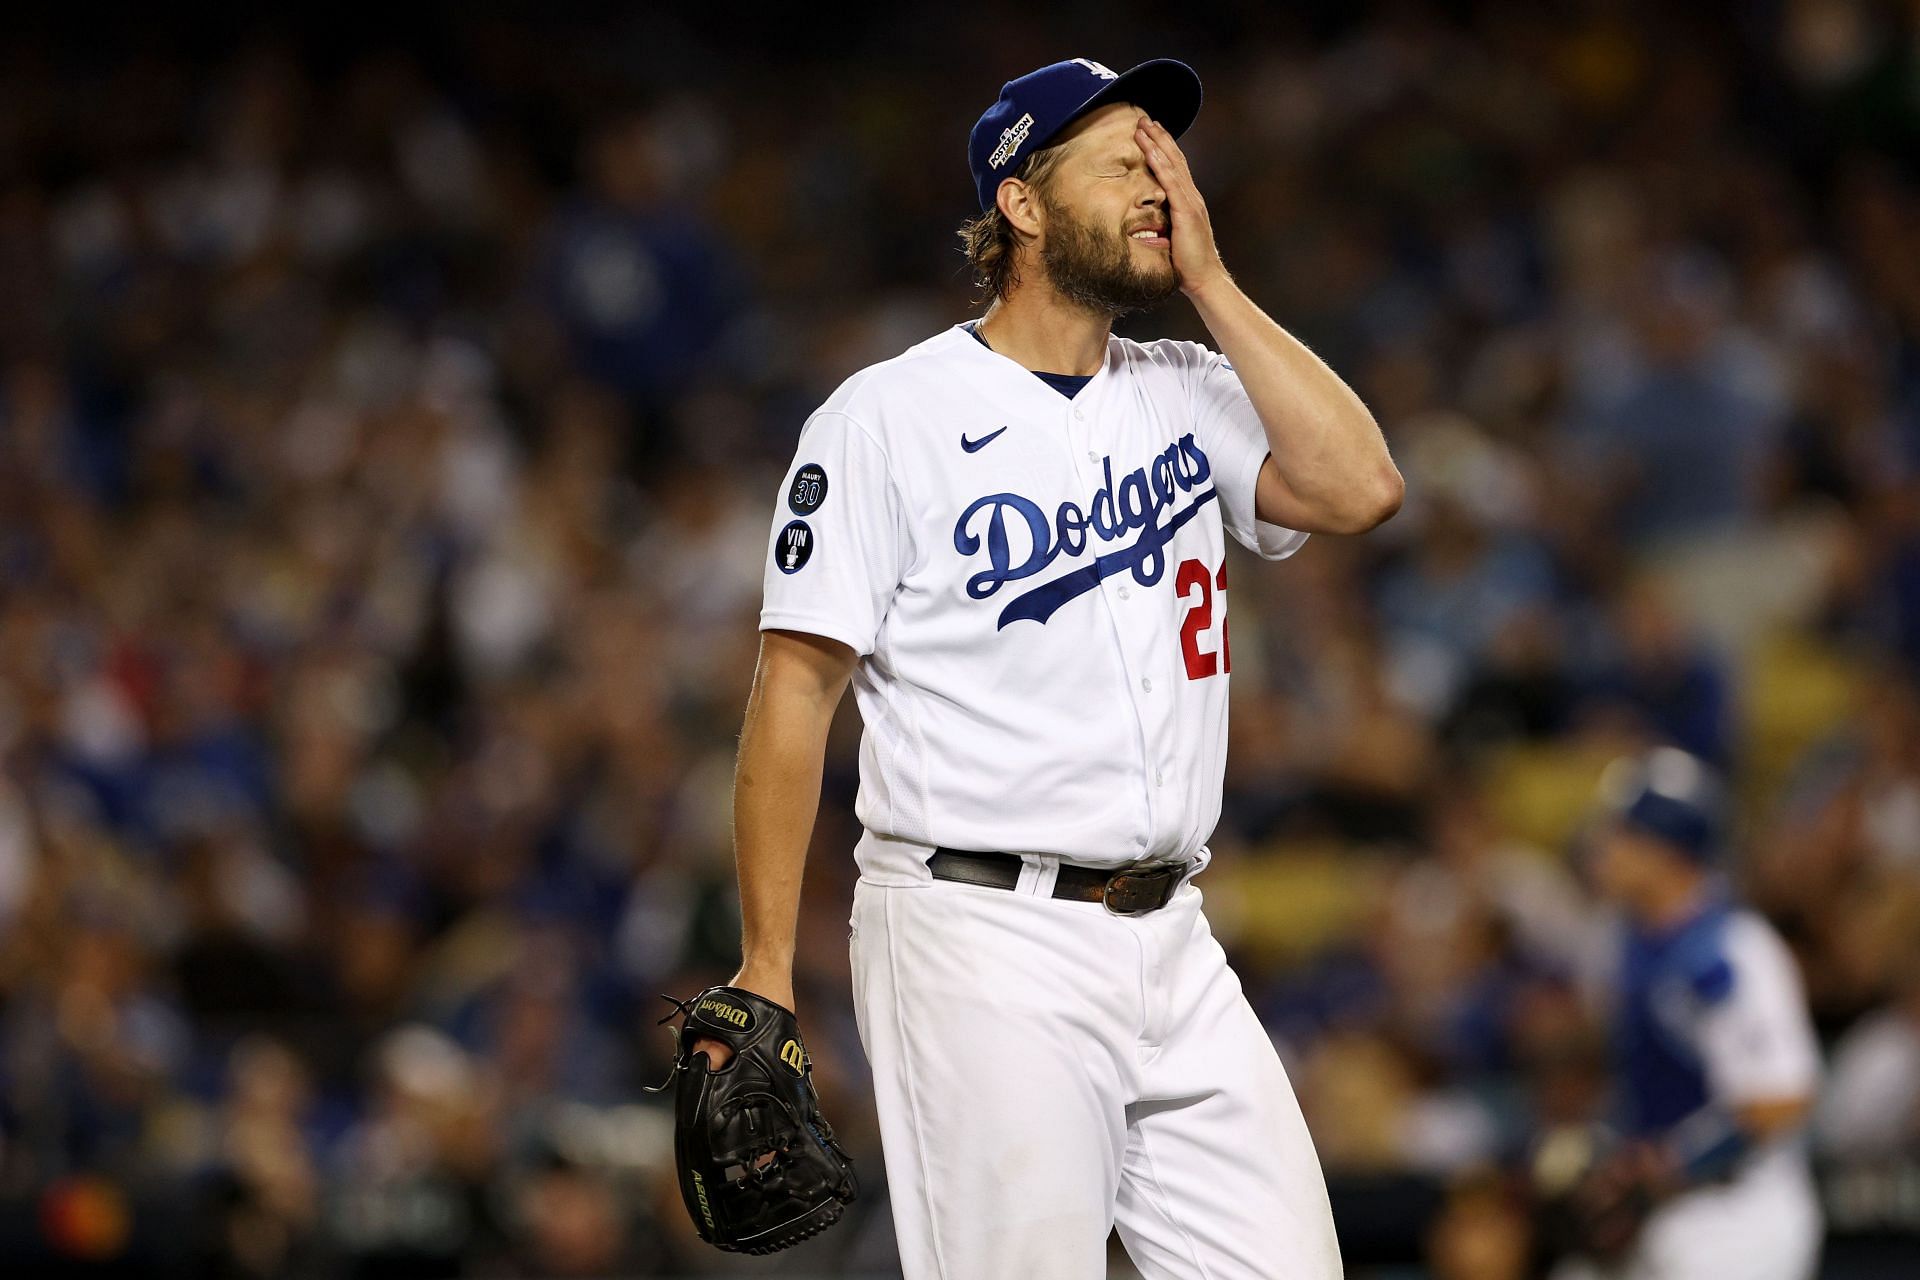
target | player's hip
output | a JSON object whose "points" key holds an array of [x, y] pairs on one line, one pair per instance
{"points": [[900, 853], [1074, 968], [1763, 1225]]}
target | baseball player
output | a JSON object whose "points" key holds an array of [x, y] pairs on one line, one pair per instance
{"points": [[1716, 1055], [1010, 538]]}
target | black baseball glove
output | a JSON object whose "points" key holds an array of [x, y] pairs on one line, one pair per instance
{"points": [[759, 1167], [1594, 1192]]}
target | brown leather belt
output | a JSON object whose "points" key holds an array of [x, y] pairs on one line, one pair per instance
{"points": [[1126, 891]]}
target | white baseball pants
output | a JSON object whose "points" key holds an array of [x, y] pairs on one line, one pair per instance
{"points": [[1045, 1071], [1763, 1226]]}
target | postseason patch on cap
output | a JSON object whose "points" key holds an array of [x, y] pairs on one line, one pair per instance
{"points": [[1010, 139]]}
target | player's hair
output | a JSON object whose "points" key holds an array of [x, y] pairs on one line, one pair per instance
{"points": [[988, 240]]}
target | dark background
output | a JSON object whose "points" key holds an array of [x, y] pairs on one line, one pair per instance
{"points": [[392, 411]]}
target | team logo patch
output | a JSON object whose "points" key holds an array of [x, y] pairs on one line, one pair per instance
{"points": [[794, 547], [1010, 139], [809, 489]]}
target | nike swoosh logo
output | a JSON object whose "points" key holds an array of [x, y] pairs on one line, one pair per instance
{"points": [[975, 446]]}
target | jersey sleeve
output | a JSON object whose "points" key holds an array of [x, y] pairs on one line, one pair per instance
{"points": [[1230, 433], [1755, 1036], [836, 551]]}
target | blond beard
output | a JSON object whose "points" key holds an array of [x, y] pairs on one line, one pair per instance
{"points": [[1089, 270]]}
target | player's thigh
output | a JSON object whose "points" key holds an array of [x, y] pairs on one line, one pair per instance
{"points": [[1001, 1108], [1220, 1178], [1226, 1186]]}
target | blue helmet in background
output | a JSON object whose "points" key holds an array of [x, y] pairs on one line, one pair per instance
{"points": [[1669, 795]]}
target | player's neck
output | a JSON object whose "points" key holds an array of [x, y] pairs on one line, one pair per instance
{"points": [[1035, 328], [1674, 902]]}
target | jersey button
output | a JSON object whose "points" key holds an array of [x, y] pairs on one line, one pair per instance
{"points": [[1081, 416], [1146, 684], [1157, 779], [1125, 594], [1092, 456]]}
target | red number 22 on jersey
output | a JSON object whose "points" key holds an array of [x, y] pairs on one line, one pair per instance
{"points": [[1202, 663]]}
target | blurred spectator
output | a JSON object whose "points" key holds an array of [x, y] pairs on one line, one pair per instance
{"points": [[631, 271], [1685, 420], [1871, 1106], [1482, 1233], [1661, 677], [411, 1191], [265, 1194]]}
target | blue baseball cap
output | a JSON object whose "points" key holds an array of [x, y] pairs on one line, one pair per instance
{"points": [[1671, 796], [1032, 109]]}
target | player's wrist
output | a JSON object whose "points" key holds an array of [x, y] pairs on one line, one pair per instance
{"points": [[1707, 1146], [768, 979], [1207, 284]]}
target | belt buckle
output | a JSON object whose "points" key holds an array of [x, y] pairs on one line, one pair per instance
{"points": [[1135, 891]]}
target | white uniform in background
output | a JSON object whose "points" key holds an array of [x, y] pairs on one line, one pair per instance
{"points": [[1036, 586]]}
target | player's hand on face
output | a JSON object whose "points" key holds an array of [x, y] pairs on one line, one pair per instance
{"points": [[1196, 259]]}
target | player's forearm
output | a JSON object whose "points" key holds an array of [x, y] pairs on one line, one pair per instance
{"points": [[1715, 1139], [776, 794], [1323, 439]]}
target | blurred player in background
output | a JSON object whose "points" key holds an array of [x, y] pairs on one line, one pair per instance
{"points": [[1717, 1059]]}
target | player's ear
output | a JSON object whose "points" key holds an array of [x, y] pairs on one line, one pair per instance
{"points": [[1020, 206]]}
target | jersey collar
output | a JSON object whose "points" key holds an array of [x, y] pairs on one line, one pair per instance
{"points": [[960, 334]]}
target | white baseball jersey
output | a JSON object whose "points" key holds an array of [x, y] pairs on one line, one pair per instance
{"points": [[1758, 1043], [1037, 588]]}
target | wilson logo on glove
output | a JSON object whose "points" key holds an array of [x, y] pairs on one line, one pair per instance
{"points": [[727, 1013]]}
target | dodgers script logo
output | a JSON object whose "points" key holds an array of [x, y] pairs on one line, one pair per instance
{"points": [[1142, 496]]}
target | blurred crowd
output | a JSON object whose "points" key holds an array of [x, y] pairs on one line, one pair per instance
{"points": [[389, 437]]}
